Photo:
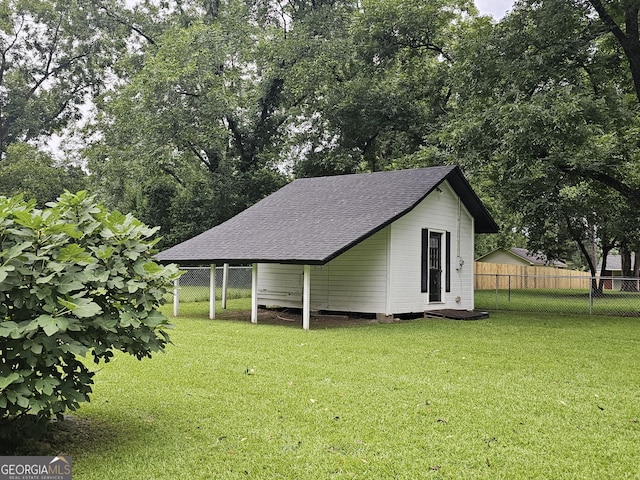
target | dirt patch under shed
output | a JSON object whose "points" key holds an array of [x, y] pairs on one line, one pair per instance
{"points": [[293, 317]]}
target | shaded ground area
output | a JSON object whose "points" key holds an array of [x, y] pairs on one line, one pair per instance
{"points": [[456, 314], [293, 317]]}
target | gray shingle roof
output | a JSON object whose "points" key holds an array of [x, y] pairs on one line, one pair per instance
{"points": [[313, 220], [536, 258]]}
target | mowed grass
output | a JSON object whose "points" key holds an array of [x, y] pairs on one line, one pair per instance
{"points": [[513, 396], [559, 301], [200, 293]]}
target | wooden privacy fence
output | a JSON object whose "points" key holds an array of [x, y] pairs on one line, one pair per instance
{"points": [[489, 276]]}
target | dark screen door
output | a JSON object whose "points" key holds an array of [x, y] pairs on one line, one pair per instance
{"points": [[435, 266]]}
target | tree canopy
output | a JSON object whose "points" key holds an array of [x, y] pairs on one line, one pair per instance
{"points": [[202, 108], [54, 54], [549, 117]]}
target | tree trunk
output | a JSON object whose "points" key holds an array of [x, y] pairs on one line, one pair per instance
{"points": [[603, 269], [596, 289], [627, 285]]}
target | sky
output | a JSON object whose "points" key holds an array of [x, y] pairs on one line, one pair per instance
{"points": [[495, 8]]}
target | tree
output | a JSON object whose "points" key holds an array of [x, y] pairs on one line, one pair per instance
{"points": [[203, 113], [34, 174], [235, 96], [377, 86], [543, 108], [628, 38], [617, 167], [76, 279], [54, 54]]}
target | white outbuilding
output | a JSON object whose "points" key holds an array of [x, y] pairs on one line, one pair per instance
{"points": [[387, 243]]}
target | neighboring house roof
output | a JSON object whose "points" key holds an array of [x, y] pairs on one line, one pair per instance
{"points": [[313, 220], [536, 258], [532, 258]]}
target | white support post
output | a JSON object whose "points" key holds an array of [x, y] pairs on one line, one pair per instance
{"points": [[306, 297], [212, 292], [254, 293], [176, 297], [225, 280]]}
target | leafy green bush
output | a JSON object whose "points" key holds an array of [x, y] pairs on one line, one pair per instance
{"points": [[74, 279]]}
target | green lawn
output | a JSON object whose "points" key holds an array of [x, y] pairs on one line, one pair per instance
{"points": [[559, 301], [192, 293], [513, 396]]}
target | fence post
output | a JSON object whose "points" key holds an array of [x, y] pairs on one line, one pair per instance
{"points": [[496, 291], [212, 292], [254, 293], [306, 296], [176, 297], [509, 301], [225, 280], [591, 280]]}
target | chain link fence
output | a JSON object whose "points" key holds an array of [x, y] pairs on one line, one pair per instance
{"points": [[193, 285], [615, 296]]}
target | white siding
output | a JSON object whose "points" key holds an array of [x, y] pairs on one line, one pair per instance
{"points": [[355, 281], [280, 285], [438, 212]]}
